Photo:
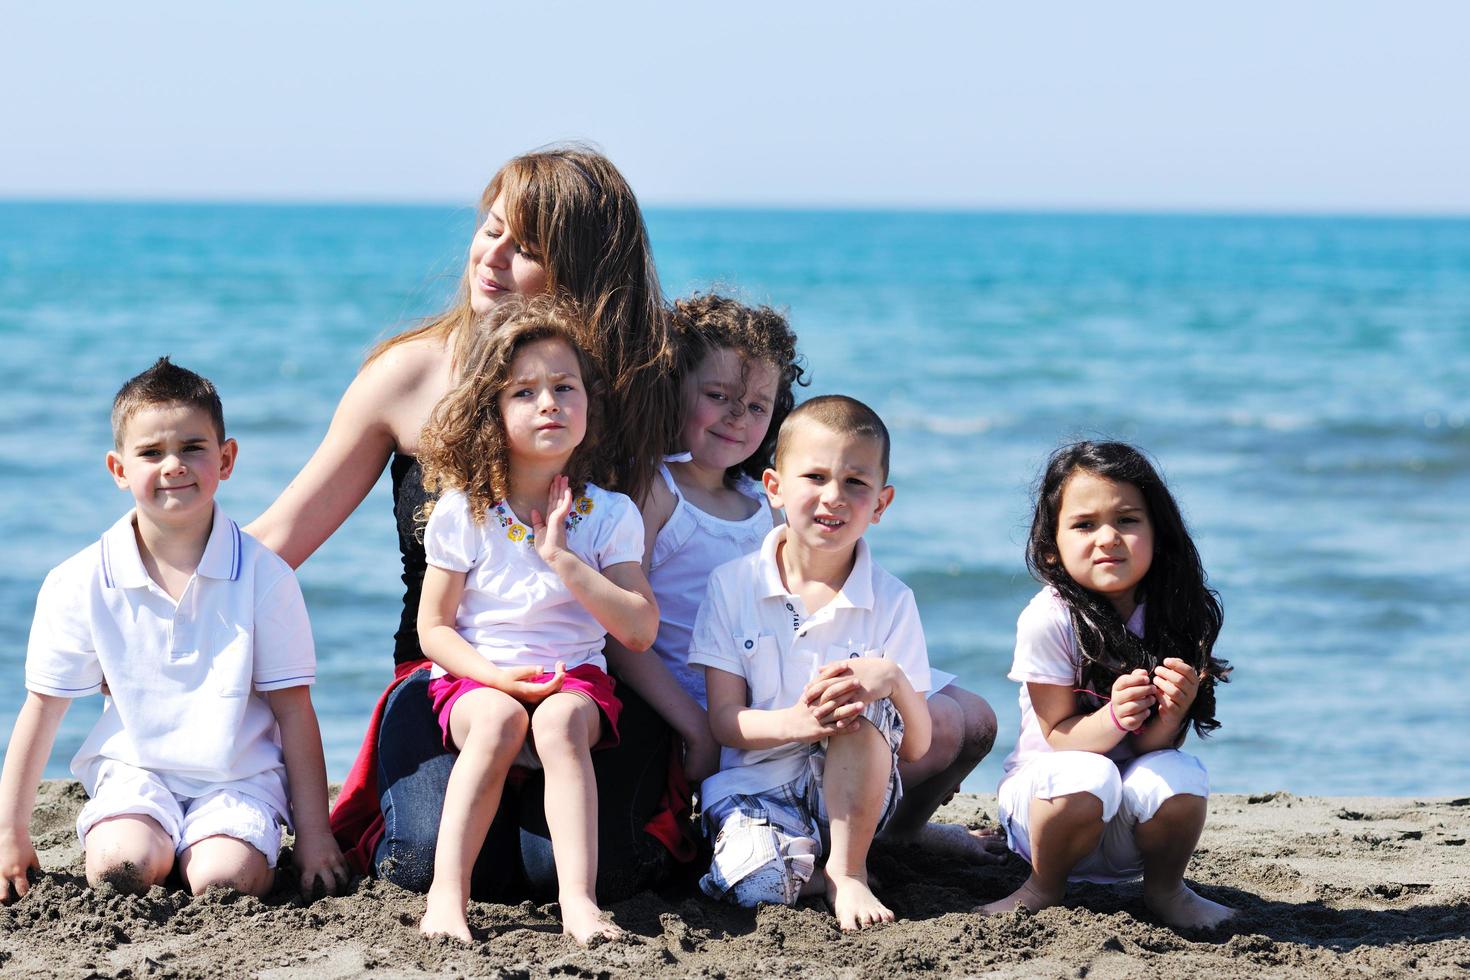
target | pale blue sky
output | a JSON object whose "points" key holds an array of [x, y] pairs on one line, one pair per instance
{"points": [[1310, 106]]}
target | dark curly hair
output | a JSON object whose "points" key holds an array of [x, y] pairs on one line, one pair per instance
{"points": [[463, 446], [709, 322], [1182, 615]]}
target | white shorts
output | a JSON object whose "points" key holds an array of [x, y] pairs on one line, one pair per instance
{"points": [[122, 789], [1131, 793]]}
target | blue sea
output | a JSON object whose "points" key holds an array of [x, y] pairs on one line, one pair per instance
{"points": [[1304, 383]]}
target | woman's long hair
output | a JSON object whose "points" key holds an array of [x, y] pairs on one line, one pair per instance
{"points": [[570, 206], [463, 445], [1182, 614]]}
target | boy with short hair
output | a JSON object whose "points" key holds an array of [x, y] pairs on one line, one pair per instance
{"points": [[816, 671], [199, 636]]}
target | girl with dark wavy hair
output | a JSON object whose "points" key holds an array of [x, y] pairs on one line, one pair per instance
{"points": [[1116, 661]]}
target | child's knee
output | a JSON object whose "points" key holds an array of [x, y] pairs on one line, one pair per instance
{"points": [[131, 852], [1154, 779], [565, 719], [225, 862], [1079, 774]]}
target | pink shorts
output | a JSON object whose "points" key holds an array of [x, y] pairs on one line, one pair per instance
{"points": [[589, 681]]}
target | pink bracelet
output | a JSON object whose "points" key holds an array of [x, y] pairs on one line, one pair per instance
{"points": [[1114, 715]]}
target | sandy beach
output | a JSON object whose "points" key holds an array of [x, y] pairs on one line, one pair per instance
{"points": [[1326, 886]]}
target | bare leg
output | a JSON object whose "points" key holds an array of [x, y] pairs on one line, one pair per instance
{"points": [[131, 852], [1167, 843], [489, 728], [228, 862], [565, 727], [1063, 831], [964, 731], [853, 784]]}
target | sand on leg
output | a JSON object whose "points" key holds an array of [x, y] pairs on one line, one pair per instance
{"points": [[131, 852], [489, 728], [222, 861]]}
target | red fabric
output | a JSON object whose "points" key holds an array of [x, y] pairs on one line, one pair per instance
{"points": [[357, 819]]}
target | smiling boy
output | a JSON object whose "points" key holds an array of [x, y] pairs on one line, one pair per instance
{"points": [[199, 638], [816, 671]]}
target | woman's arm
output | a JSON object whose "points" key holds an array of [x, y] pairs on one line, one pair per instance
{"points": [[391, 396]]}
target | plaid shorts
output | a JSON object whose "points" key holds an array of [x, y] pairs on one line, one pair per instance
{"points": [[767, 845]]}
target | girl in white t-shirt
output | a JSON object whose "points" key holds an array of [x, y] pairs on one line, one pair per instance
{"points": [[1115, 662], [529, 566], [737, 367]]}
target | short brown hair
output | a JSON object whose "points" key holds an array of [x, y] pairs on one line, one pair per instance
{"points": [[165, 383], [841, 414]]}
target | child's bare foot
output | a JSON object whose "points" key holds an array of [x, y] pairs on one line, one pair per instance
{"points": [[445, 917], [953, 840], [854, 903], [1031, 895], [1181, 908], [584, 921]]}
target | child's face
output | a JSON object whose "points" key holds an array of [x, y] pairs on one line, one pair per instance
{"points": [[544, 404], [498, 265], [727, 408], [1105, 539], [172, 462], [830, 485]]}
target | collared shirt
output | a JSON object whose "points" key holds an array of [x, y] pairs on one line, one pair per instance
{"points": [[515, 610], [184, 677], [751, 626]]}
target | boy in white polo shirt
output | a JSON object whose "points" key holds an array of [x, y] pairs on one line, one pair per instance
{"points": [[816, 672], [199, 637]]}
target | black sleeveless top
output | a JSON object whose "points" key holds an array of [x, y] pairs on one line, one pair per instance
{"points": [[408, 499]]}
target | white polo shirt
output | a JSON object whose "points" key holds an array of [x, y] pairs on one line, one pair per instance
{"points": [[516, 611], [185, 678], [749, 625]]}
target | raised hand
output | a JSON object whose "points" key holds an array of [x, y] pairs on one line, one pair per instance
{"points": [[551, 534]]}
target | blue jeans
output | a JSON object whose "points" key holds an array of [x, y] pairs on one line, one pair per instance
{"points": [[517, 861]]}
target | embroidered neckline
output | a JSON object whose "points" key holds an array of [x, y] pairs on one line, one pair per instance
{"points": [[518, 532]]}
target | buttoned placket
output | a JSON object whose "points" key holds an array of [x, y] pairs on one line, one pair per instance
{"points": [[183, 620]]}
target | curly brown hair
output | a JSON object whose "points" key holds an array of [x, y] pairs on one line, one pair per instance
{"points": [[463, 444], [709, 322]]}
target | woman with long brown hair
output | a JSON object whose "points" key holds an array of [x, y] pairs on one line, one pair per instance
{"points": [[559, 220]]}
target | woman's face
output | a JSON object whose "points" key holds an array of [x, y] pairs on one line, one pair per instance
{"points": [[499, 266]]}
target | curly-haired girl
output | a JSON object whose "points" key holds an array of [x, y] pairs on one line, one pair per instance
{"points": [[529, 566]]}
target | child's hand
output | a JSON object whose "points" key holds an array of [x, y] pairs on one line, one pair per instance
{"points": [[516, 681], [701, 757], [551, 534], [859, 679], [17, 859], [1176, 684], [1133, 696], [319, 862]]}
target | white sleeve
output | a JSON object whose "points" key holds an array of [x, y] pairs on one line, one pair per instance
{"points": [[714, 642], [1044, 644], [620, 532], [452, 539], [905, 645], [284, 654], [61, 659]]}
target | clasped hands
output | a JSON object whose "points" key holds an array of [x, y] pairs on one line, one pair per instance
{"points": [[833, 701], [1172, 687]]}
